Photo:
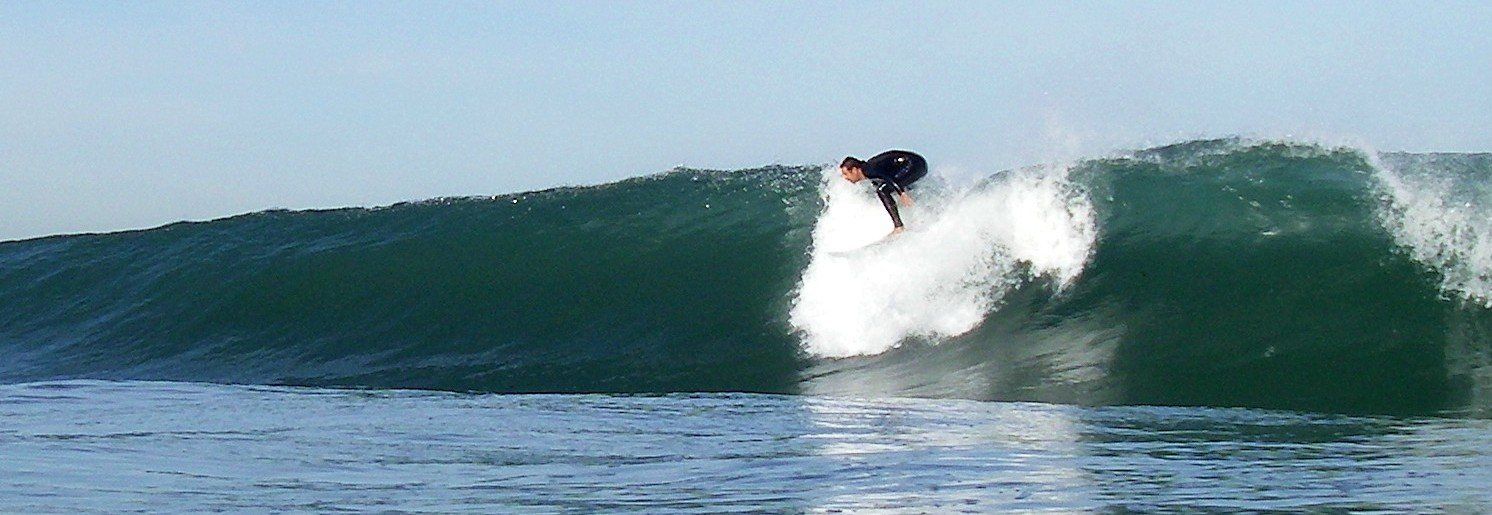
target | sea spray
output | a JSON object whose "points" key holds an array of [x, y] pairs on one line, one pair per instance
{"points": [[1439, 207], [967, 247]]}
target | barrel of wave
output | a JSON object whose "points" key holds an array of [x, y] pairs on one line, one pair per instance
{"points": [[965, 248]]}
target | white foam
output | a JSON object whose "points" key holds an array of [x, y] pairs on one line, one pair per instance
{"points": [[1445, 222], [963, 251]]}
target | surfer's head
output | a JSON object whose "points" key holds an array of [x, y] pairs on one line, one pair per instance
{"points": [[852, 169]]}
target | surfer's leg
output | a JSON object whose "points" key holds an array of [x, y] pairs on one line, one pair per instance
{"points": [[890, 203]]}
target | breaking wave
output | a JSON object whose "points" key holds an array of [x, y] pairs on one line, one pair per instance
{"points": [[1216, 273]]}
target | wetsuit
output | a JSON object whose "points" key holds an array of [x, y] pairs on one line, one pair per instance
{"points": [[891, 172]]}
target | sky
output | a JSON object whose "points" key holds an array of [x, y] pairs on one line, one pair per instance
{"points": [[122, 115]]}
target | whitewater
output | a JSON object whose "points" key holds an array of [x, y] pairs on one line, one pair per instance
{"points": [[968, 248]]}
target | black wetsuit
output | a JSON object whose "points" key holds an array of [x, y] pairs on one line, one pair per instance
{"points": [[892, 172]]}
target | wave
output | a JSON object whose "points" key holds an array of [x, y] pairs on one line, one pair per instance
{"points": [[1215, 273]]}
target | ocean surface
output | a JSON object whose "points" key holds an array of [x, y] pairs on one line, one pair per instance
{"points": [[1214, 325], [81, 446]]}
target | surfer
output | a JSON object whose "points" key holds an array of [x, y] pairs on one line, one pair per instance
{"points": [[891, 172]]}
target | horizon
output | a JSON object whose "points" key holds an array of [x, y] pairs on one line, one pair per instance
{"points": [[127, 117]]}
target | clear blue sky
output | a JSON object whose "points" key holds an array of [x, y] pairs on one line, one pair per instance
{"points": [[118, 115]]}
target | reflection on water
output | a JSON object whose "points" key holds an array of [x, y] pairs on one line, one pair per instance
{"points": [[98, 446], [908, 453]]}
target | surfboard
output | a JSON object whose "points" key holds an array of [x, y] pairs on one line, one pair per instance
{"points": [[865, 248]]}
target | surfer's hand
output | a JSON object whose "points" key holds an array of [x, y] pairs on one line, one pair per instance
{"points": [[906, 200]]}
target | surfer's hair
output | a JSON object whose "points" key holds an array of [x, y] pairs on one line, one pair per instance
{"points": [[852, 162]]}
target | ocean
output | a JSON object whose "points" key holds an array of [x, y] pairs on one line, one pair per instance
{"points": [[1214, 325]]}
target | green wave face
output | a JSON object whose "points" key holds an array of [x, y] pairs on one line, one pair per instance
{"points": [[667, 283], [1216, 273]]}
